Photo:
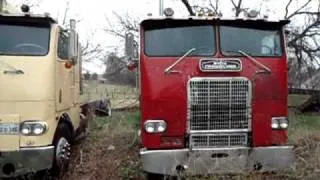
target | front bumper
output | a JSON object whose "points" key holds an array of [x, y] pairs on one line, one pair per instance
{"points": [[26, 160], [217, 160]]}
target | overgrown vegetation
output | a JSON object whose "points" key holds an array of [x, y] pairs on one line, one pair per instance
{"points": [[111, 150]]}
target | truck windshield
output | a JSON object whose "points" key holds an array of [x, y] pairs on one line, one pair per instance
{"points": [[256, 42], [24, 40], [175, 41]]}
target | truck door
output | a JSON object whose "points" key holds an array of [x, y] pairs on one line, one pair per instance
{"points": [[64, 75]]}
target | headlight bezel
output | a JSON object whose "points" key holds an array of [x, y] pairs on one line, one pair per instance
{"points": [[282, 123], [155, 124], [33, 125]]}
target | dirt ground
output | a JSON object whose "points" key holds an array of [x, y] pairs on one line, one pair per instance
{"points": [[111, 152]]}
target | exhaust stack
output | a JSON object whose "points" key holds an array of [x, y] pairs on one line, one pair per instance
{"points": [[161, 7]]}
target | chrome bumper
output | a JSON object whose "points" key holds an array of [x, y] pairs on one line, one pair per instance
{"points": [[218, 160], [26, 160]]}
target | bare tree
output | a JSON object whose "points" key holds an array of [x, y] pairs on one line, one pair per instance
{"points": [[116, 67], [124, 24], [215, 6], [302, 41], [33, 3], [117, 72], [237, 7], [189, 8], [89, 49]]}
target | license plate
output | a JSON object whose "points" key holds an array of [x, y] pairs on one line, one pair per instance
{"points": [[9, 129]]}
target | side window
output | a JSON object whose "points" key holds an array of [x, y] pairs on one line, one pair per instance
{"points": [[63, 45], [269, 45]]}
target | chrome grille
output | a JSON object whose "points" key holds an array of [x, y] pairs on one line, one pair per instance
{"points": [[218, 140], [217, 104]]}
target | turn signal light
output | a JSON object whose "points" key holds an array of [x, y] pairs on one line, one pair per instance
{"points": [[171, 142], [68, 64]]}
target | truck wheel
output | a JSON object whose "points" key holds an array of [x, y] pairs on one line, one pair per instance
{"points": [[62, 151], [152, 176]]}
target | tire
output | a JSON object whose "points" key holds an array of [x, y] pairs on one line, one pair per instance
{"points": [[43, 175], [152, 176], [62, 150]]}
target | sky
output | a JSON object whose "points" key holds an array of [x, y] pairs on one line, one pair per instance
{"points": [[93, 15]]}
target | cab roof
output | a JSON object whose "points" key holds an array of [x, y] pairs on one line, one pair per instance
{"points": [[225, 21], [27, 17]]}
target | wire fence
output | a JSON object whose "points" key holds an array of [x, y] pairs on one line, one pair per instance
{"points": [[120, 96]]}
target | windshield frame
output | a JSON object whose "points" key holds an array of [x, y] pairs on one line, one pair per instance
{"points": [[276, 28], [178, 24], [27, 24]]}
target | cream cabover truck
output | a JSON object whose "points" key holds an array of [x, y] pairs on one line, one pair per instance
{"points": [[41, 114]]}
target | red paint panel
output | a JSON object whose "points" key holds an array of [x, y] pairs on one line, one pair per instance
{"points": [[164, 96], [263, 111]]}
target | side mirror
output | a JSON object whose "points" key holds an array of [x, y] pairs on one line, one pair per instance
{"points": [[132, 65], [129, 46], [130, 52], [73, 42]]}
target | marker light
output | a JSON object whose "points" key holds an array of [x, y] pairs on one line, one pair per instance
{"points": [[25, 8], [168, 12], [252, 14]]}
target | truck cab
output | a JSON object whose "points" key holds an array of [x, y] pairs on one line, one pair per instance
{"points": [[213, 95], [40, 65]]}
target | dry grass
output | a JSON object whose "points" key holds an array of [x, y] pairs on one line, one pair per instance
{"points": [[294, 100], [92, 160]]}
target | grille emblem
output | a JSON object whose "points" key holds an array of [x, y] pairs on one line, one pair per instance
{"points": [[220, 65]]}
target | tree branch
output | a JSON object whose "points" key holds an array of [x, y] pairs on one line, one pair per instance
{"points": [[214, 7], [237, 7], [287, 9], [296, 11], [189, 8]]}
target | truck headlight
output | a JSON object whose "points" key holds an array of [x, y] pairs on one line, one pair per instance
{"points": [[279, 123], [33, 128], [155, 126]]}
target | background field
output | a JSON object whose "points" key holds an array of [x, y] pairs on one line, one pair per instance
{"points": [[120, 96], [111, 150]]}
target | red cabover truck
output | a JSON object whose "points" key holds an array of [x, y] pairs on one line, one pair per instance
{"points": [[213, 95]]}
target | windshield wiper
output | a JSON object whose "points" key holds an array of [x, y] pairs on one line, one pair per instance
{"points": [[13, 69], [265, 68], [168, 69]]}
